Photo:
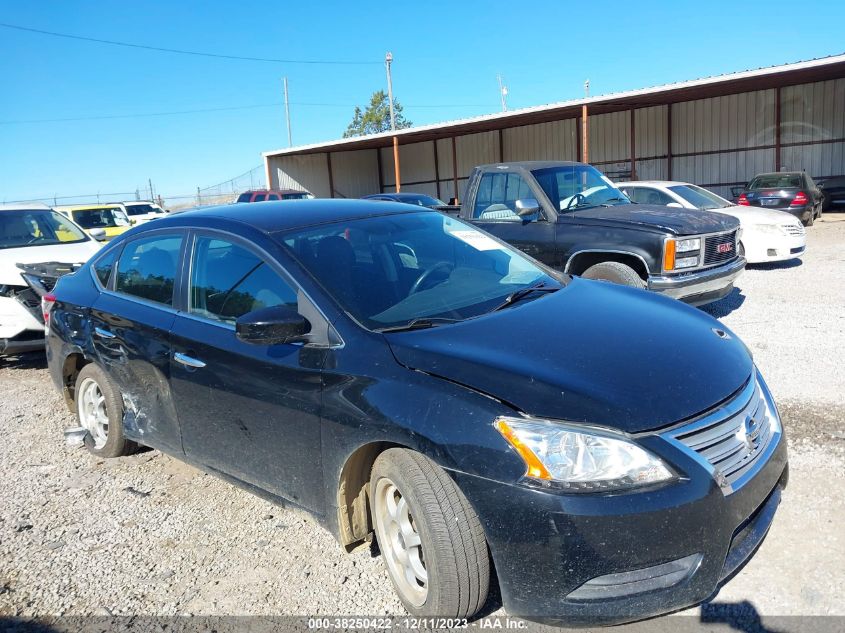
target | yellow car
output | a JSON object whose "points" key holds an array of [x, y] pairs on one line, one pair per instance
{"points": [[111, 218]]}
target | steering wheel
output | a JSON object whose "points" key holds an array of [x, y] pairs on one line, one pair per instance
{"points": [[577, 198], [428, 272]]}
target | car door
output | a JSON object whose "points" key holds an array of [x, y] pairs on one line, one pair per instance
{"points": [[249, 411], [130, 325], [494, 210]]}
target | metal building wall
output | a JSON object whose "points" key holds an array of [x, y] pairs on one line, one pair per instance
{"points": [[416, 161], [813, 127], [354, 174], [305, 171], [651, 138], [544, 141]]}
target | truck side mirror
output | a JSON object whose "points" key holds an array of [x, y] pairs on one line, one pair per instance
{"points": [[526, 207]]}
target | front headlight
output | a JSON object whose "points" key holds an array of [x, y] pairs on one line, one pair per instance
{"points": [[578, 459], [684, 246], [769, 229]]}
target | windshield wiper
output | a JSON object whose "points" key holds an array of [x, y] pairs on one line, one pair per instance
{"points": [[522, 293], [420, 323]]}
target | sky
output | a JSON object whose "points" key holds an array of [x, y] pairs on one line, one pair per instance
{"points": [[446, 59]]}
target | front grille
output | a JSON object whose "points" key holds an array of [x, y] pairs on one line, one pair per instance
{"points": [[712, 244], [733, 438], [793, 229]]}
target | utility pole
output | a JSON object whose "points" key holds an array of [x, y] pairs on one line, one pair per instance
{"points": [[287, 110], [199, 198], [503, 92], [150, 181], [388, 59]]}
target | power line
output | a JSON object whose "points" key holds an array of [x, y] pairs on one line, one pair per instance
{"points": [[104, 117], [187, 52]]}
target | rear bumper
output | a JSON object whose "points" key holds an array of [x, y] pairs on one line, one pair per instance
{"points": [[593, 559], [700, 287]]}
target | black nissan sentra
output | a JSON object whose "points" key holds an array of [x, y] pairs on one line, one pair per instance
{"points": [[603, 453]]}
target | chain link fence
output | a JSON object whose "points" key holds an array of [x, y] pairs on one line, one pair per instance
{"points": [[221, 193]]}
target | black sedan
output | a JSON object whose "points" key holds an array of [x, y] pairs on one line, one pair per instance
{"points": [[605, 453], [418, 199], [792, 191]]}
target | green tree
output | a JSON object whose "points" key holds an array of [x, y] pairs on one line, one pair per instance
{"points": [[376, 118]]}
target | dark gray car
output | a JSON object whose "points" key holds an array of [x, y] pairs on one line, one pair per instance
{"points": [[790, 191]]}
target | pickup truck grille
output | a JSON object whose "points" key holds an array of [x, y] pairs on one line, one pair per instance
{"points": [[732, 439], [719, 248]]}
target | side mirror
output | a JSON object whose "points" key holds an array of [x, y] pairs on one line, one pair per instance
{"points": [[527, 206], [98, 234], [271, 326], [675, 205]]}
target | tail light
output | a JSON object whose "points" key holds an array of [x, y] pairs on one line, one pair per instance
{"points": [[47, 303], [799, 199], [743, 201]]}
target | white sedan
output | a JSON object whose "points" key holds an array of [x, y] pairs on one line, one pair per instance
{"points": [[767, 235], [34, 235]]}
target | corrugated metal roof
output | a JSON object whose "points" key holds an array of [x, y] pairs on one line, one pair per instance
{"points": [[786, 74]]}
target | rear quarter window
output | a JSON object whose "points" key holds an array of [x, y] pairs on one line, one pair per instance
{"points": [[104, 265]]}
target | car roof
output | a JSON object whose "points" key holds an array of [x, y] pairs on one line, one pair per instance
{"points": [[282, 215], [25, 206], [85, 207], [779, 173], [532, 164], [134, 202], [652, 183], [251, 191]]}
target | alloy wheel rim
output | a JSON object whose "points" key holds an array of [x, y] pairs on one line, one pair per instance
{"points": [[91, 407], [400, 542]]}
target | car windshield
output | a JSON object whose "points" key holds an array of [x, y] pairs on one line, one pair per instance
{"points": [[37, 228], [141, 209], [392, 270], [775, 181], [578, 186], [699, 197], [103, 218]]}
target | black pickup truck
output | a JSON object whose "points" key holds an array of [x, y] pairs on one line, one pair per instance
{"points": [[571, 217]]}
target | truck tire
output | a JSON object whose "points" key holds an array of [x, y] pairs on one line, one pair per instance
{"points": [[430, 538], [99, 410], [616, 273]]}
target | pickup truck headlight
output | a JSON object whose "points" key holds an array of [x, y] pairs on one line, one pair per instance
{"points": [[683, 246], [579, 459], [679, 254]]}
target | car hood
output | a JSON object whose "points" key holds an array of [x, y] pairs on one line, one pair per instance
{"points": [[77, 253], [755, 215], [671, 219], [590, 353]]}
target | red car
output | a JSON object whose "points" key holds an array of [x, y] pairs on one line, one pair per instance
{"points": [[260, 195]]}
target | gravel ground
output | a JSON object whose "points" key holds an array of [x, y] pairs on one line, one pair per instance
{"points": [[148, 535]]}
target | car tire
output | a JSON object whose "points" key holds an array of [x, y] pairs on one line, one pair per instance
{"points": [[99, 410], [810, 219], [430, 538], [615, 272]]}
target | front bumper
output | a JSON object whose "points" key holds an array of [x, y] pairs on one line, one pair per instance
{"points": [[764, 248], [699, 287], [593, 559], [20, 331]]}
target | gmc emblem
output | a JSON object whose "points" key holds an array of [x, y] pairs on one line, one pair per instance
{"points": [[724, 248]]}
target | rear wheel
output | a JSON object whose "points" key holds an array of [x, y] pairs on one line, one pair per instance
{"points": [[615, 272], [99, 409], [809, 221], [431, 540]]}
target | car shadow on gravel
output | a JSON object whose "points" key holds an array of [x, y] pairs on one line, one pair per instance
{"points": [[723, 307], [739, 616], [29, 360], [795, 262]]}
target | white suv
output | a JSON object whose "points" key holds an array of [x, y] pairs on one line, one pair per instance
{"points": [[47, 245]]}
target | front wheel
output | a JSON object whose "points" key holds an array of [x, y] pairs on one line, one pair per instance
{"points": [[615, 272], [431, 540], [99, 409]]}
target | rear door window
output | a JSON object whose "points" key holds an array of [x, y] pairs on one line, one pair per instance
{"points": [[260, 197], [147, 268]]}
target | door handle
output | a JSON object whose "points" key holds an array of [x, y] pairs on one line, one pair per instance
{"points": [[103, 333], [187, 361]]}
